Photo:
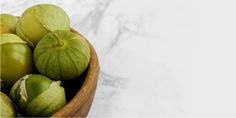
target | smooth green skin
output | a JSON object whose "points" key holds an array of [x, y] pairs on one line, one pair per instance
{"points": [[41, 19], [16, 61], [33, 83], [37, 95], [8, 23], [34, 88], [6, 107], [62, 55], [47, 103]]}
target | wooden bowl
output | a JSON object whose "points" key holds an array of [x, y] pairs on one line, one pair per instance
{"points": [[79, 105]]}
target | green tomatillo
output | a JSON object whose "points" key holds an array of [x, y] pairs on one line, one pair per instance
{"points": [[7, 23], [6, 107], [37, 95], [62, 55], [16, 59], [39, 20]]}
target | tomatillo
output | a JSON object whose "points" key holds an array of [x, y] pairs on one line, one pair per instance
{"points": [[37, 95], [39, 20], [7, 23], [16, 59], [6, 106], [62, 55]]}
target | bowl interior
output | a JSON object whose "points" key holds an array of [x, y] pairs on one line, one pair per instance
{"points": [[80, 92]]}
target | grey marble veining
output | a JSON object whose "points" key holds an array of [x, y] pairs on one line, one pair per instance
{"points": [[158, 57]]}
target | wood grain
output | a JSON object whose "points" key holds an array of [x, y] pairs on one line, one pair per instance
{"points": [[80, 104]]}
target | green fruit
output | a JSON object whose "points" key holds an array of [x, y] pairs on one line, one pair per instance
{"points": [[16, 59], [37, 95], [62, 55], [6, 107], [20, 34], [41, 19], [8, 23]]}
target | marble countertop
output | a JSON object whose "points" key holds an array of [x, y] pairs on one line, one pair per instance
{"points": [[158, 58]]}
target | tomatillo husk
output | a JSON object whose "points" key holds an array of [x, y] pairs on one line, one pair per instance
{"points": [[7, 23], [6, 107], [16, 59], [62, 55], [41, 19], [37, 95]]}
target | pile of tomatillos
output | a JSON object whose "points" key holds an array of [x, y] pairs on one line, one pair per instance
{"points": [[38, 53]]}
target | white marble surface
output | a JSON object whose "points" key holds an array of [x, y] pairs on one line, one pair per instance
{"points": [[158, 57]]}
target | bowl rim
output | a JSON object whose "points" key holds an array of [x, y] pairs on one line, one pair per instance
{"points": [[87, 89]]}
